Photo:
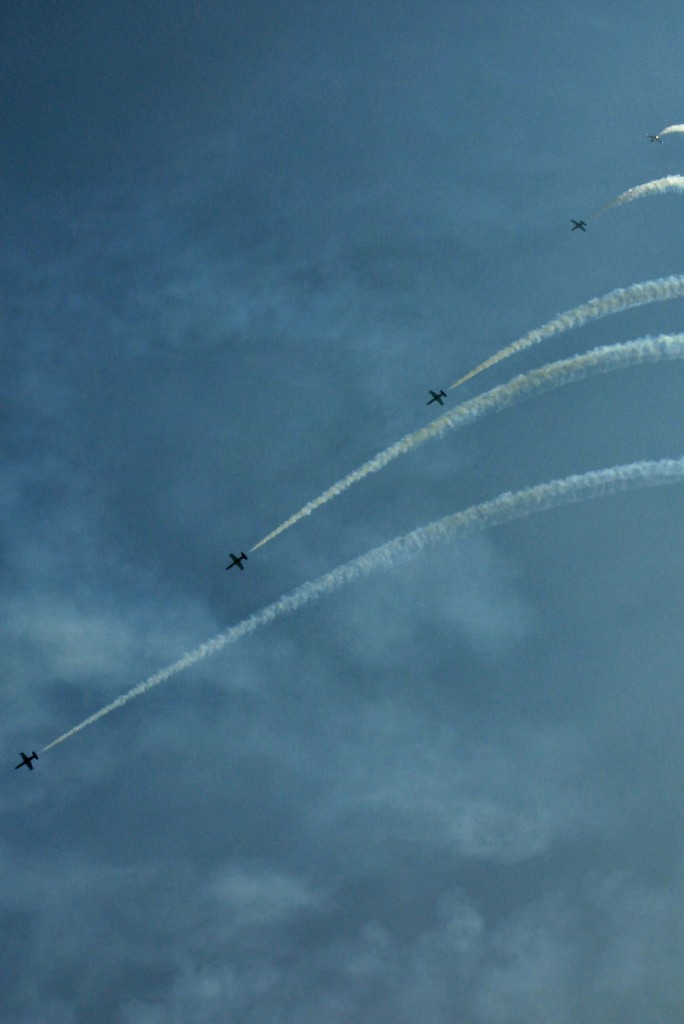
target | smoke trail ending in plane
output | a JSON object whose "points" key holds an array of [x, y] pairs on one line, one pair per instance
{"points": [[506, 507], [672, 183], [614, 302], [553, 375], [671, 129]]}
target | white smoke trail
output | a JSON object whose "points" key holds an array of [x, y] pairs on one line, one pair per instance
{"points": [[660, 290], [506, 507], [672, 183], [672, 128], [553, 375]]}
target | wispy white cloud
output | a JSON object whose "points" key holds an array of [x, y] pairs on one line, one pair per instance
{"points": [[252, 898]]}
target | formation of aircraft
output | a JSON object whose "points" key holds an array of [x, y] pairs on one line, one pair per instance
{"points": [[26, 761], [237, 560], [580, 224]]}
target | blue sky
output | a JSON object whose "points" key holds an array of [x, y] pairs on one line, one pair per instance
{"points": [[238, 247]]}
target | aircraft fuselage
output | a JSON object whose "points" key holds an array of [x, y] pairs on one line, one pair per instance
{"points": [[237, 560], [26, 760]]}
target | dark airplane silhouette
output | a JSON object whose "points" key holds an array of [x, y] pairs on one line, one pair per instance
{"points": [[26, 760], [237, 560], [437, 396], [654, 138], [581, 224]]}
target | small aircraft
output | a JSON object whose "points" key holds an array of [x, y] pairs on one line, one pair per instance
{"points": [[437, 396], [237, 560], [26, 760], [581, 224], [654, 138]]}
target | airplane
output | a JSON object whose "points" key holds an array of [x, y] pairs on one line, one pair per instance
{"points": [[26, 760], [237, 560], [581, 224], [437, 396], [654, 138]]}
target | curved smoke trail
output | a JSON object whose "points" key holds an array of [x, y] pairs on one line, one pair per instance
{"points": [[506, 507], [614, 302], [553, 375], [672, 128], [672, 183]]}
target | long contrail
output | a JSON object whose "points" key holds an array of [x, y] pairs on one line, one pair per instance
{"points": [[672, 183], [506, 507], [672, 128], [614, 302], [553, 375]]}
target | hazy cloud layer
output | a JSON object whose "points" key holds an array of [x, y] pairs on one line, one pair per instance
{"points": [[239, 247]]}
